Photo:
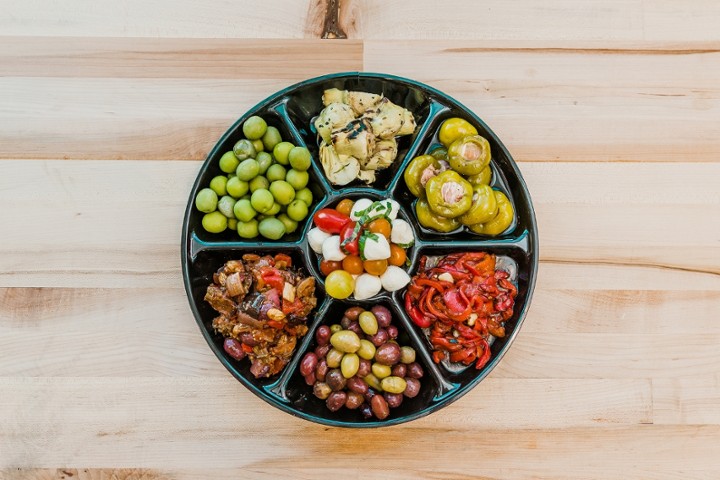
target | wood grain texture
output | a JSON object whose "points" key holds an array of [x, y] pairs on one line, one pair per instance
{"points": [[107, 110]]}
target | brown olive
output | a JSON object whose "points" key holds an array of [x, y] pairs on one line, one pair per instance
{"points": [[366, 410], [357, 385], [399, 370], [388, 354], [380, 337], [412, 388], [336, 400], [383, 316], [354, 312], [393, 399], [392, 331], [321, 390], [354, 400], [414, 370], [345, 322], [334, 378], [308, 364], [322, 335], [364, 368], [380, 407], [322, 350], [310, 378], [321, 370], [355, 327]]}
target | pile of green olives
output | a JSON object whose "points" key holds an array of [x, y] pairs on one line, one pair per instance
{"points": [[263, 189], [452, 184]]}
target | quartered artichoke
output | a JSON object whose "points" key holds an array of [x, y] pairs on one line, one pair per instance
{"points": [[358, 131]]}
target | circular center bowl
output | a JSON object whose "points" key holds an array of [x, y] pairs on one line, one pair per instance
{"points": [[291, 111]]}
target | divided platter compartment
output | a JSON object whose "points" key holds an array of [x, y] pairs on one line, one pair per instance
{"points": [[291, 111]]}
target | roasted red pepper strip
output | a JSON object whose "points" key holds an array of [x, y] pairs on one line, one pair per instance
{"points": [[272, 278], [485, 356], [415, 314]]}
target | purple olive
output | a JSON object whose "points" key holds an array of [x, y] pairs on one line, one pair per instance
{"points": [[399, 370], [392, 332], [336, 400], [354, 400], [234, 349], [388, 354], [412, 388], [380, 337], [308, 364], [393, 399], [353, 313], [414, 370], [321, 370], [383, 315], [322, 335]]}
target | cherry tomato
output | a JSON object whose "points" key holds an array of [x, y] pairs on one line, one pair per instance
{"points": [[345, 206], [397, 255], [353, 265], [375, 267], [339, 284], [348, 243], [330, 221], [327, 266], [381, 226]]}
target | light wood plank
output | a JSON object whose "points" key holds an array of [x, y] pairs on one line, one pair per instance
{"points": [[553, 23], [200, 58], [574, 105], [164, 18], [687, 400]]}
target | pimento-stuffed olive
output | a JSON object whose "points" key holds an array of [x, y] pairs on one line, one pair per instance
{"points": [[502, 219], [430, 219], [419, 171], [454, 128], [469, 155], [448, 194], [484, 206]]}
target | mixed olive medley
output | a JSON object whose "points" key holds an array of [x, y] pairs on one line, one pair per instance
{"points": [[264, 187], [358, 364], [364, 249], [452, 184]]}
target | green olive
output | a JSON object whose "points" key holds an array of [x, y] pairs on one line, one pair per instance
{"points": [[281, 152], [484, 206], [219, 185], [236, 187], [226, 205], [282, 191], [271, 228], [346, 341], [248, 229], [271, 138], [244, 149], [430, 219], [229, 162], [206, 200], [349, 365], [501, 221], [334, 357], [305, 195], [448, 194], [274, 210], [469, 155], [297, 210], [264, 159], [275, 172], [254, 127], [297, 179], [232, 223], [373, 381], [214, 222], [248, 169], [290, 224], [262, 200], [482, 178], [368, 323], [258, 145], [393, 384], [381, 371], [416, 171], [366, 350], [259, 182], [243, 210]]}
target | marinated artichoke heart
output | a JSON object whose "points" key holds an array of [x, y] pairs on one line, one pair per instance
{"points": [[355, 140], [332, 117], [339, 169], [358, 101], [358, 131]]}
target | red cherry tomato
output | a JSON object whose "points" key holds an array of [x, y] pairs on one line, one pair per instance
{"points": [[348, 243], [330, 221]]}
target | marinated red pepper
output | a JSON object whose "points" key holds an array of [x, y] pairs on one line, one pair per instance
{"points": [[463, 300]]}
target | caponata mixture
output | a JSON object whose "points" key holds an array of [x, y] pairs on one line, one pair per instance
{"points": [[263, 304], [363, 247], [358, 364], [263, 190], [452, 184], [462, 300], [357, 131]]}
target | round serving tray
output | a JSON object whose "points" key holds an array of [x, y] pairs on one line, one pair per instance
{"points": [[291, 110]]}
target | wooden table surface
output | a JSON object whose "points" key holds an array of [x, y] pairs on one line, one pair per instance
{"points": [[611, 108]]}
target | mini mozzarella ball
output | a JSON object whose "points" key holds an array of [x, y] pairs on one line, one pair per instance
{"points": [[402, 233], [359, 208], [394, 209], [367, 286], [331, 249], [394, 278], [376, 248], [316, 238]]}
